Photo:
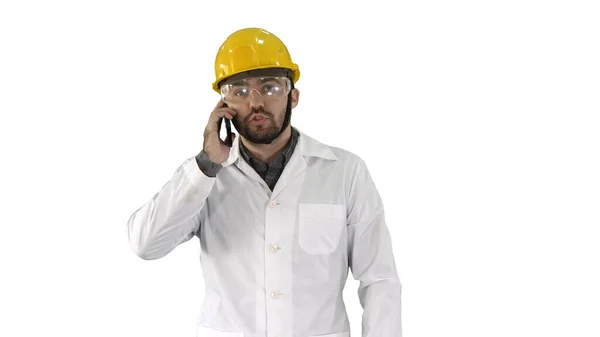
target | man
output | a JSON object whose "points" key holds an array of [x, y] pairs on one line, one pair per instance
{"points": [[281, 218]]}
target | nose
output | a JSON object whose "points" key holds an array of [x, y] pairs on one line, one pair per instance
{"points": [[256, 99]]}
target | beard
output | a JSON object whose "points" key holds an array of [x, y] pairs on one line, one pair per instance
{"points": [[259, 134]]}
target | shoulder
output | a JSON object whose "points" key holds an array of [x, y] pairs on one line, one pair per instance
{"points": [[313, 147], [348, 161], [344, 159], [346, 156]]}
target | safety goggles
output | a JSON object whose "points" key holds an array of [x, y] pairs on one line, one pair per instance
{"points": [[267, 87]]}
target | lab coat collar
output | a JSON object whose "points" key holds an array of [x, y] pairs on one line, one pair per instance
{"points": [[308, 147]]}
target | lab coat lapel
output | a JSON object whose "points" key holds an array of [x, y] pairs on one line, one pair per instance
{"points": [[306, 148], [292, 170], [235, 158]]}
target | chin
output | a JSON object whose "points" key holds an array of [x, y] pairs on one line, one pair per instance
{"points": [[265, 137]]}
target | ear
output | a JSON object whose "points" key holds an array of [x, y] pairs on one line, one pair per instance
{"points": [[295, 97]]}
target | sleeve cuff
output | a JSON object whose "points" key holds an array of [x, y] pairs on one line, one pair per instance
{"points": [[207, 167]]}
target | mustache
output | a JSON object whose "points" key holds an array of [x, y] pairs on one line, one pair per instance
{"points": [[259, 111]]}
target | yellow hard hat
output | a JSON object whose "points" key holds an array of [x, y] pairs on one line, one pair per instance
{"points": [[250, 49]]}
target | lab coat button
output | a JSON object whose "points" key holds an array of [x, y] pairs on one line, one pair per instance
{"points": [[274, 248], [272, 204], [275, 294]]}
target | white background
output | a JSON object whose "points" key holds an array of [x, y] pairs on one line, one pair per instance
{"points": [[478, 120]]}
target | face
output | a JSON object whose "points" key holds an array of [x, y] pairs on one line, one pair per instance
{"points": [[261, 104]]}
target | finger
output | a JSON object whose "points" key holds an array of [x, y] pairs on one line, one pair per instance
{"points": [[220, 104], [232, 112], [220, 111], [216, 115]]}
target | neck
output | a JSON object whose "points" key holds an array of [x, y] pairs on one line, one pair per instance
{"points": [[266, 152]]}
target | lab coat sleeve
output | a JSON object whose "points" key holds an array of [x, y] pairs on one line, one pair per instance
{"points": [[371, 258], [172, 215]]}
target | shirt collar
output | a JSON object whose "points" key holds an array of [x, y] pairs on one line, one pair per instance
{"points": [[281, 159], [308, 147]]}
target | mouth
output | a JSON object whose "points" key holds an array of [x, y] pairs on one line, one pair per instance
{"points": [[258, 119]]}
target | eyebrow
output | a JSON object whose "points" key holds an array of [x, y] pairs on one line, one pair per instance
{"points": [[268, 79], [262, 81], [236, 84]]}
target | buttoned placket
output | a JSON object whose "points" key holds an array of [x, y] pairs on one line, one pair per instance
{"points": [[274, 267], [278, 259]]}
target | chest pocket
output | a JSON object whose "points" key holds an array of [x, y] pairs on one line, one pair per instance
{"points": [[320, 227]]}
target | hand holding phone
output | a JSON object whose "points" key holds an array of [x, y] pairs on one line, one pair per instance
{"points": [[229, 137], [214, 146]]}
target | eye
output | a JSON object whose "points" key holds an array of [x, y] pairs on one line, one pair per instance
{"points": [[270, 89], [241, 92]]}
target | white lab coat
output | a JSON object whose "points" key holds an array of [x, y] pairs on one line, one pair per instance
{"points": [[275, 263]]}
